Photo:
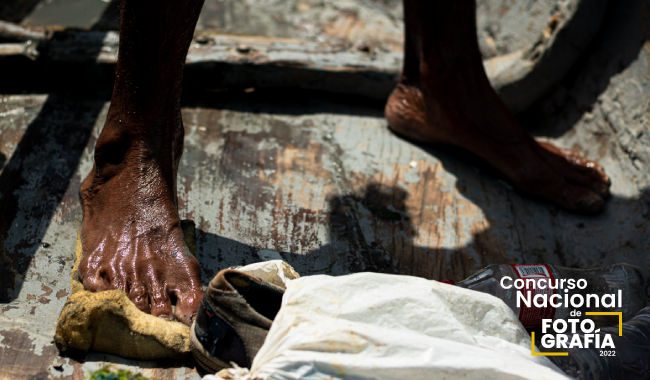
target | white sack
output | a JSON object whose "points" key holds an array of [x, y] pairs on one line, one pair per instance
{"points": [[377, 326]]}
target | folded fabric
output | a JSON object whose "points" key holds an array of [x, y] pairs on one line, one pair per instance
{"points": [[377, 326]]}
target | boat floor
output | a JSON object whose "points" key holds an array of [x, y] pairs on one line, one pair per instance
{"points": [[319, 181]]}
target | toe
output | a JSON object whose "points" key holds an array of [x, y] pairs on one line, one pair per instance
{"points": [[140, 298], [588, 174], [94, 283], [115, 280], [89, 273], [161, 305], [187, 304], [576, 199], [578, 170]]}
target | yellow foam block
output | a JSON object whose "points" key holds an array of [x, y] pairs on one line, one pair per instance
{"points": [[109, 322]]}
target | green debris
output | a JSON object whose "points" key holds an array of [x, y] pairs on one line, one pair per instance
{"points": [[107, 374]]}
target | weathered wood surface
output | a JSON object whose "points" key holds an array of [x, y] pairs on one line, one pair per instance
{"points": [[324, 185], [18, 32], [348, 64], [528, 47], [221, 61]]}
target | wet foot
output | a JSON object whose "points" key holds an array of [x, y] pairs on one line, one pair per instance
{"points": [[131, 232], [476, 120]]}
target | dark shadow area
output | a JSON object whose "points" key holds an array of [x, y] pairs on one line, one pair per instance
{"points": [[215, 253], [283, 101], [86, 76], [621, 37], [35, 180], [81, 74], [110, 18], [16, 10]]}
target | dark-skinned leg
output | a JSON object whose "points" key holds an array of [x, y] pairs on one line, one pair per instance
{"points": [[131, 232], [444, 97]]}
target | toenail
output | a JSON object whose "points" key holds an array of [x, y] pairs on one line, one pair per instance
{"points": [[165, 316]]}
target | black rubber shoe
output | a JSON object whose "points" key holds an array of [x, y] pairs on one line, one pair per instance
{"points": [[233, 319]]}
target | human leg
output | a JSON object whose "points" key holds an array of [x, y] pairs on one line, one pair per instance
{"points": [[444, 97], [131, 232]]}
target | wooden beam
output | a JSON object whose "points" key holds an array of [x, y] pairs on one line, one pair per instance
{"points": [[225, 61]]}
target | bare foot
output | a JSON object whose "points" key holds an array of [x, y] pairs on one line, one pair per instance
{"points": [[471, 116], [445, 97], [131, 232]]}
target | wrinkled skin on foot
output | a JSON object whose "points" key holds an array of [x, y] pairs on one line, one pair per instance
{"points": [[480, 123], [132, 239]]}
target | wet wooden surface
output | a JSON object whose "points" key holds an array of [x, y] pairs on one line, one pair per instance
{"points": [[320, 182]]}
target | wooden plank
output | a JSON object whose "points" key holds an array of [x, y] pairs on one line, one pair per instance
{"points": [[223, 61], [21, 33], [20, 360]]}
